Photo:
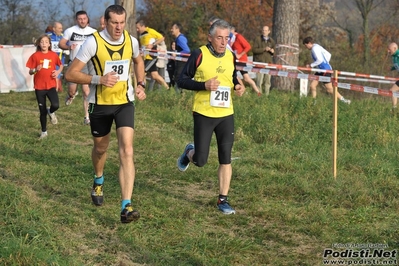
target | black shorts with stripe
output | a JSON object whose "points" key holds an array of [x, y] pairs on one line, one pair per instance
{"points": [[103, 116]]}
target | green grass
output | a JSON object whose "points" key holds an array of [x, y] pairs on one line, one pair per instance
{"points": [[289, 206]]}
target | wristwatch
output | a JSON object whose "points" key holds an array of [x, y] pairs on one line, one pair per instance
{"points": [[141, 83]]}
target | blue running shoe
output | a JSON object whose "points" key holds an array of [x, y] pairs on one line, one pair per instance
{"points": [[183, 161], [225, 207]]}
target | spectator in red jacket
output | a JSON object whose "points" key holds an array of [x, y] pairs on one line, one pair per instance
{"points": [[241, 47]]}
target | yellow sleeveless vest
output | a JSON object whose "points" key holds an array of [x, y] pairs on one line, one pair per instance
{"points": [[210, 67], [149, 37], [114, 54]]}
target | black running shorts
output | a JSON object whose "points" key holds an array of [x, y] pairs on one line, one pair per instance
{"points": [[203, 131], [324, 74], [102, 117]]}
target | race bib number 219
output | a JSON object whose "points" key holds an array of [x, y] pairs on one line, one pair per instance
{"points": [[221, 97]]}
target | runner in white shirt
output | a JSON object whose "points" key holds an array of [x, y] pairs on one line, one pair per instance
{"points": [[72, 40], [321, 60]]}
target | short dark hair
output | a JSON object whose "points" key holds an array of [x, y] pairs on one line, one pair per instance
{"points": [[81, 12], [140, 22], [308, 40], [117, 9], [178, 25]]}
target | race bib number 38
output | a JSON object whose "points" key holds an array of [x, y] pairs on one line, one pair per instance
{"points": [[221, 97], [121, 67]]}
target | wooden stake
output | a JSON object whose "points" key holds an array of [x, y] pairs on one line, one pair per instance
{"points": [[335, 124]]}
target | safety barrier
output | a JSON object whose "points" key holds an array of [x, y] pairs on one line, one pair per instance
{"points": [[14, 75], [287, 71], [283, 71]]}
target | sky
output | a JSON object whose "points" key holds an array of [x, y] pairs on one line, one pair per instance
{"points": [[105, 3], [94, 8]]}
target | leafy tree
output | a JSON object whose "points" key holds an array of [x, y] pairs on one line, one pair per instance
{"points": [[347, 28], [319, 19], [364, 18], [315, 20], [24, 20], [366, 7], [77, 5], [247, 16], [18, 23]]}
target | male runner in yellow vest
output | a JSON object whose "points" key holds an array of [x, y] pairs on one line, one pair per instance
{"points": [[210, 71], [149, 39], [108, 55]]}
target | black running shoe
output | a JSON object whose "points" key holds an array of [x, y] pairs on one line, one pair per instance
{"points": [[97, 195], [129, 215]]}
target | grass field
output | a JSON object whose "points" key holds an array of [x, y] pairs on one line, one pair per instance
{"points": [[289, 206]]}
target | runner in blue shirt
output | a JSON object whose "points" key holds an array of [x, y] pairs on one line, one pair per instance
{"points": [[182, 48], [55, 36]]}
